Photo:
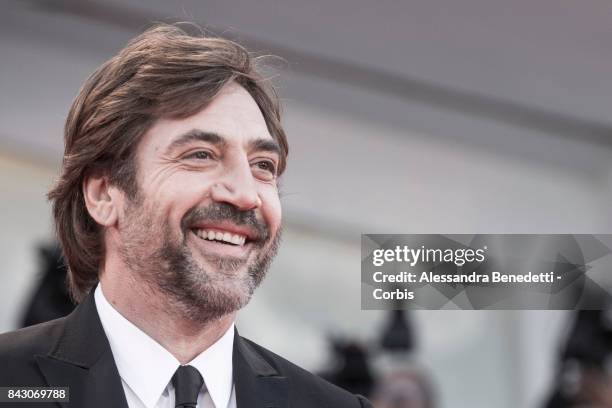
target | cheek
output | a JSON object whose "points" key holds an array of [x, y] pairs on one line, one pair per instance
{"points": [[272, 209], [173, 198]]}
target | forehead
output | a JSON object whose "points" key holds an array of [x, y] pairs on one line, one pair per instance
{"points": [[233, 114]]}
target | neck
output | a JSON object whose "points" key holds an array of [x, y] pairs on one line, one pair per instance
{"points": [[183, 338]]}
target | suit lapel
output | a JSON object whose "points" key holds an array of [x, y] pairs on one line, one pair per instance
{"points": [[82, 360], [258, 384]]}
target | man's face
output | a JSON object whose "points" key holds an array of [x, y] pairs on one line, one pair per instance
{"points": [[205, 223]]}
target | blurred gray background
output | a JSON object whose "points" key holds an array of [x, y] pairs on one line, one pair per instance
{"points": [[422, 116]]}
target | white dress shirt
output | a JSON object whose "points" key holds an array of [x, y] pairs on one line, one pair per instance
{"points": [[146, 368]]}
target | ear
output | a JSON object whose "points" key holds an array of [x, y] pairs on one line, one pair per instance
{"points": [[102, 199]]}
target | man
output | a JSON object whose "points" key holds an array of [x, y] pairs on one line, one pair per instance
{"points": [[168, 212]]}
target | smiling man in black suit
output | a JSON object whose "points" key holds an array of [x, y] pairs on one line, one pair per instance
{"points": [[168, 213]]}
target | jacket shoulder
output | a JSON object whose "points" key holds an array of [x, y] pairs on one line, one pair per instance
{"points": [[36, 339], [18, 350], [307, 388]]}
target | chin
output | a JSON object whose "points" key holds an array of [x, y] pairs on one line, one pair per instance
{"points": [[213, 303]]}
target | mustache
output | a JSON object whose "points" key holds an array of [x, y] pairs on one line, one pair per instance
{"points": [[227, 212]]}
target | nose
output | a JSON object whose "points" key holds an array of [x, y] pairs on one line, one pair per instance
{"points": [[237, 186]]}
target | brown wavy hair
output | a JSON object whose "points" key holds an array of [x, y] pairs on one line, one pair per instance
{"points": [[165, 72]]}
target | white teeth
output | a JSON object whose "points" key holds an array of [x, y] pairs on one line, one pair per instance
{"points": [[235, 239]]}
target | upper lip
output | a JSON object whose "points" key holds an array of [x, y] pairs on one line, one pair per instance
{"points": [[227, 227]]}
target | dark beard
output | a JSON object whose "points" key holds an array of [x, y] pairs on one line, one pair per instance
{"points": [[192, 292]]}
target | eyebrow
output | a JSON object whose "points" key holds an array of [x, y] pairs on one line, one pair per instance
{"points": [[196, 135], [266, 145]]}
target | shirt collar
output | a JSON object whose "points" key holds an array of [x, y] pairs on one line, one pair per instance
{"points": [[215, 365], [147, 367]]}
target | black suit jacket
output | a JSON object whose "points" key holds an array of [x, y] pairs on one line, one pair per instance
{"points": [[73, 351]]}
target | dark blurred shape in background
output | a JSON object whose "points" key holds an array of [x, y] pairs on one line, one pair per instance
{"points": [[350, 367], [50, 299], [583, 377], [405, 386], [397, 385], [403, 389], [397, 334]]}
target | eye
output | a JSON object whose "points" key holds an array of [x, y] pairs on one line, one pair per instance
{"points": [[266, 167], [200, 155]]}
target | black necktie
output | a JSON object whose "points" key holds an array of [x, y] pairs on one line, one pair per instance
{"points": [[187, 382]]}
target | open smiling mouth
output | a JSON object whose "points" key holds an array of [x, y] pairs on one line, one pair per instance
{"points": [[221, 237]]}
